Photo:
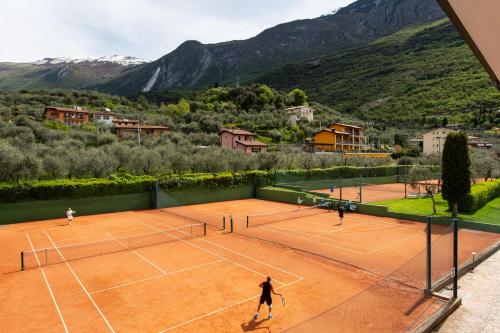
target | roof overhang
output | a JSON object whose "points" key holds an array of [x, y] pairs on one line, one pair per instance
{"points": [[479, 23]]}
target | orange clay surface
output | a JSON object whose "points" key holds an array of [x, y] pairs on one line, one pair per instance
{"points": [[375, 193], [209, 284]]}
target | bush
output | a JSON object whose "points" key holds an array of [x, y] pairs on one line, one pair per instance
{"points": [[75, 188], [479, 196]]}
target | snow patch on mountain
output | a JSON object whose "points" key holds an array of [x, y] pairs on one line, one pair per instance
{"points": [[152, 81], [117, 59]]}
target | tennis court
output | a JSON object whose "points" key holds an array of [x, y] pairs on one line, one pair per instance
{"points": [[375, 192], [162, 270]]}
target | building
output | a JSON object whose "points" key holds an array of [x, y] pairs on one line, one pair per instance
{"points": [[432, 142], [339, 137], [106, 117], [126, 129], [297, 113], [70, 117], [238, 139]]}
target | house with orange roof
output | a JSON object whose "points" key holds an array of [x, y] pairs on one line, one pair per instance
{"points": [[238, 139], [69, 116], [339, 137]]}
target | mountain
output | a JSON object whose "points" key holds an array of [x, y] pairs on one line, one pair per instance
{"points": [[64, 72], [421, 74], [195, 65]]}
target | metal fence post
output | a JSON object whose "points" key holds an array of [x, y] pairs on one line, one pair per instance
{"points": [[360, 189], [340, 188], [455, 258], [429, 256]]}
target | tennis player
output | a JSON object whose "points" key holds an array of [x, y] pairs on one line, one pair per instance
{"points": [[267, 289], [341, 214], [332, 188], [69, 215], [314, 200], [299, 202]]}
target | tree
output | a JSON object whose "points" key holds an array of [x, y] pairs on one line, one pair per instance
{"points": [[483, 164], [418, 173], [297, 97], [401, 140], [455, 169], [444, 122]]}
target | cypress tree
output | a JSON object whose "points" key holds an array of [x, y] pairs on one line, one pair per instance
{"points": [[455, 169]]}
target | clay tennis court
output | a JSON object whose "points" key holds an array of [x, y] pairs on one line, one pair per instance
{"points": [[376, 192], [198, 283]]}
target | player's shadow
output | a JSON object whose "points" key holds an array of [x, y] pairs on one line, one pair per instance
{"points": [[254, 325]]}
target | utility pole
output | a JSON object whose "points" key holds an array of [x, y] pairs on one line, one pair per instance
{"points": [[237, 81], [139, 130]]}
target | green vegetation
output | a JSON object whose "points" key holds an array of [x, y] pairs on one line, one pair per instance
{"points": [[456, 171], [489, 213], [418, 76], [121, 183], [479, 196]]}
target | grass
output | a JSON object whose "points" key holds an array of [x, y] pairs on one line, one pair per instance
{"points": [[489, 214]]}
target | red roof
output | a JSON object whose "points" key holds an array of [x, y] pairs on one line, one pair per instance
{"points": [[134, 127], [251, 143], [345, 125], [47, 108], [237, 131]]}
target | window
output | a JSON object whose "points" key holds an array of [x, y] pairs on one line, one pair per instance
{"points": [[105, 117], [255, 150], [66, 115]]}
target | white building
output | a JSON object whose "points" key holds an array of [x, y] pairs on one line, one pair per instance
{"points": [[433, 141], [105, 117], [297, 113]]}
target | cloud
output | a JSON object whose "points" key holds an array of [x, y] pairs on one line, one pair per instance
{"points": [[33, 29]]}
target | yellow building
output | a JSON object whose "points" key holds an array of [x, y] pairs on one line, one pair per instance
{"points": [[339, 137]]}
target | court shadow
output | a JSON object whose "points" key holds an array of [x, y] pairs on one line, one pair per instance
{"points": [[254, 325], [60, 225]]}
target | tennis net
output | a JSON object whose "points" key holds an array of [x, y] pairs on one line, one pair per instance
{"points": [[60, 254], [266, 218], [395, 187], [195, 216]]}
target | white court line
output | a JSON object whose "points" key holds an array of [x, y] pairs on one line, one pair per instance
{"points": [[339, 230], [137, 254], [312, 234], [80, 282], [48, 285], [224, 308], [394, 243], [207, 251], [245, 256], [313, 241], [159, 275], [386, 223]]}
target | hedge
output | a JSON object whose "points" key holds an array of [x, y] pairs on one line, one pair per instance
{"points": [[127, 184], [75, 188], [213, 181], [480, 195]]}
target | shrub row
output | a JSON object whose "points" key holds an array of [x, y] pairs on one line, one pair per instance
{"points": [[126, 184], [75, 188], [480, 195], [287, 176]]}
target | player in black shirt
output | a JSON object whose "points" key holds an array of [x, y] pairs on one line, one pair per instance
{"points": [[267, 289]]}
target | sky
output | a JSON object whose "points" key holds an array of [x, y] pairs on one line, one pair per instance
{"points": [[35, 29]]}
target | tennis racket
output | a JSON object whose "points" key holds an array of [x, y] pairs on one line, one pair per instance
{"points": [[283, 302]]}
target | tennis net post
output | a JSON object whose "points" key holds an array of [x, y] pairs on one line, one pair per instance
{"points": [[232, 223], [204, 229], [22, 260], [223, 223], [247, 221]]}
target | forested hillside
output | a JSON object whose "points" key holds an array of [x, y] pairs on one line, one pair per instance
{"points": [[418, 76]]}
